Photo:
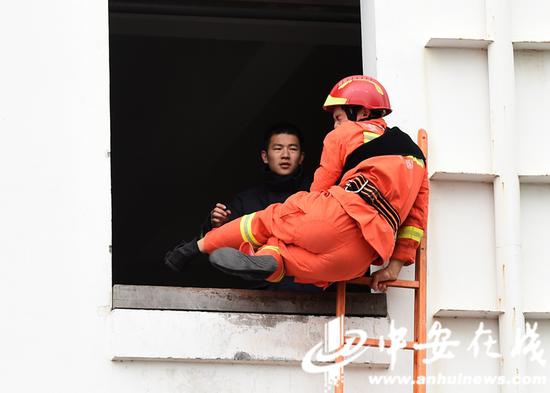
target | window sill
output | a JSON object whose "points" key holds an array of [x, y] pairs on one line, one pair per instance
{"points": [[197, 336], [171, 324], [358, 304]]}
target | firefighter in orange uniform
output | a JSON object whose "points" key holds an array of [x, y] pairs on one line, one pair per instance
{"points": [[368, 204]]}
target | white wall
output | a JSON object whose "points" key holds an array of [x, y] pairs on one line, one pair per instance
{"points": [[535, 214], [462, 70], [55, 193], [458, 110], [532, 70]]}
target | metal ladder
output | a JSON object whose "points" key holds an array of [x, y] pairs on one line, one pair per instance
{"points": [[419, 286]]}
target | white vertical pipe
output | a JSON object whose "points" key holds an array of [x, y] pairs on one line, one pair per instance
{"points": [[368, 37], [506, 187]]}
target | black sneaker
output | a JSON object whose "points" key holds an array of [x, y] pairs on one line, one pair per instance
{"points": [[234, 262], [181, 255]]}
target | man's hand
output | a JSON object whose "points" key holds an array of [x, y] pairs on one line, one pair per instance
{"points": [[389, 273], [219, 215]]}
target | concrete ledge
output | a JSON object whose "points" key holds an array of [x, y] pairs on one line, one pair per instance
{"points": [[245, 300], [460, 43], [535, 179], [536, 314], [463, 176], [531, 45], [194, 336], [487, 314], [454, 313]]}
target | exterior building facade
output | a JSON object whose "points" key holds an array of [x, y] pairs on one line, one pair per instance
{"points": [[475, 74]]}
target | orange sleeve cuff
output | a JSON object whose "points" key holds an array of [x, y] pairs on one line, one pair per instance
{"points": [[405, 251]]}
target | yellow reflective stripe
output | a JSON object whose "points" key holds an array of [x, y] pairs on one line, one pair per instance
{"points": [[242, 227], [253, 240], [278, 251], [410, 232], [274, 248], [246, 229], [331, 101], [416, 160], [280, 276], [369, 136], [345, 84]]}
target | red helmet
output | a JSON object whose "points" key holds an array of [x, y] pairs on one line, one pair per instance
{"points": [[359, 90]]}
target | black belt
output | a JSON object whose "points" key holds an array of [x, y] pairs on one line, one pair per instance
{"points": [[360, 185]]}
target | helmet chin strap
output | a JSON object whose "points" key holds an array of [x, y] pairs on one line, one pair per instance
{"points": [[373, 114], [351, 111]]}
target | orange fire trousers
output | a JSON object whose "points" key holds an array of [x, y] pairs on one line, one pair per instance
{"points": [[310, 235]]}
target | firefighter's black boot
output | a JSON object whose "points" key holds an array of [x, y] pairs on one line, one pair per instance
{"points": [[181, 255], [249, 267]]}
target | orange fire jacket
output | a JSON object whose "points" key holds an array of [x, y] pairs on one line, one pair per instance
{"points": [[402, 180]]}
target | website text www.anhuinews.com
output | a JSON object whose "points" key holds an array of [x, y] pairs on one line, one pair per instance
{"points": [[459, 379]]}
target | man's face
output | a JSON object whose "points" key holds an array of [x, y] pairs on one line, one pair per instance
{"points": [[284, 154], [339, 116]]}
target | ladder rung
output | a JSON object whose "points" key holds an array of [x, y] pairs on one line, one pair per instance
{"points": [[373, 342], [396, 283]]}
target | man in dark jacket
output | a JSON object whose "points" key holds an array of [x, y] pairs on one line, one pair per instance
{"points": [[282, 155]]}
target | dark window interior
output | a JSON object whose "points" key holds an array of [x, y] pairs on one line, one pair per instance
{"points": [[194, 84]]}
